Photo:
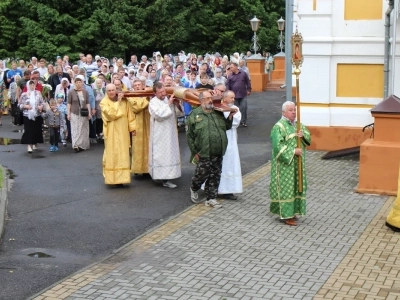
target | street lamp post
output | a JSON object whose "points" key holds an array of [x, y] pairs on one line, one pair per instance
{"points": [[281, 28], [255, 24]]}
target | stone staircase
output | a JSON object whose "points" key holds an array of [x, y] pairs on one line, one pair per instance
{"points": [[275, 85]]}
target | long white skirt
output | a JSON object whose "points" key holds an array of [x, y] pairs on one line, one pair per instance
{"points": [[80, 132]]}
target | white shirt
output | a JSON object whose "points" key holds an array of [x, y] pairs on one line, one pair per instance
{"points": [[127, 83], [42, 71]]}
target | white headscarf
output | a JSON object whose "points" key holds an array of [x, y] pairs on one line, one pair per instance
{"points": [[32, 102]]}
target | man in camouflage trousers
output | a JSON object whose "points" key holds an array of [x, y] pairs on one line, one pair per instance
{"points": [[206, 134]]}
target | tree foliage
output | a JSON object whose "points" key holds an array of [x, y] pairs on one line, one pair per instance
{"points": [[47, 28]]}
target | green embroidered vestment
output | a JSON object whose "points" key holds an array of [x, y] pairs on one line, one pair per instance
{"points": [[286, 200]]}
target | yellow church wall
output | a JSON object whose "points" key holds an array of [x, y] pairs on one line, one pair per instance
{"points": [[363, 9], [360, 80], [344, 105]]}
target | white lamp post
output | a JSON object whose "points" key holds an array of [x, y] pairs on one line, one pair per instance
{"points": [[281, 28], [255, 24]]}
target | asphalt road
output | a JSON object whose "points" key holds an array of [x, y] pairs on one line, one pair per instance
{"points": [[59, 205]]}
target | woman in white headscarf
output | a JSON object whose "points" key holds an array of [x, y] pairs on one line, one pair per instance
{"points": [[99, 92], [63, 88], [235, 58], [12, 95], [78, 99], [31, 103]]}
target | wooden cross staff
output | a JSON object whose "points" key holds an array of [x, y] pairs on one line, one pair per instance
{"points": [[297, 60]]}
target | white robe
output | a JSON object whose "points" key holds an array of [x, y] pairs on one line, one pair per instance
{"points": [[231, 176], [164, 155]]}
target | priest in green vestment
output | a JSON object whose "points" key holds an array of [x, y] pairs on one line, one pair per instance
{"points": [[286, 200]]}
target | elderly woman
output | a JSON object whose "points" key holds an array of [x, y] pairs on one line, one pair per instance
{"points": [[50, 71], [71, 74], [78, 113], [99, 92], [31, 103], [224, 65], [63, 88], [12, 91], [163, 73]]}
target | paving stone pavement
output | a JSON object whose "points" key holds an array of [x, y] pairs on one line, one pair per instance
{"points": [[241, 251]]}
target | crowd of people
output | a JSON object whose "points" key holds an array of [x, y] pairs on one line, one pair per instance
{"points": [[86, 102], [56, 80]]}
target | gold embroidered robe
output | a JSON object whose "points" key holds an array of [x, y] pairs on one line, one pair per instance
{"points": [[118, 123], [140, 142], [393, 219]]}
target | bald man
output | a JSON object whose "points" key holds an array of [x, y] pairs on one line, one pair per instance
{"points": [[118, 124]]}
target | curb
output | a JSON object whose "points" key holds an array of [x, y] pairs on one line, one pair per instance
{"points": [[3, 200]]}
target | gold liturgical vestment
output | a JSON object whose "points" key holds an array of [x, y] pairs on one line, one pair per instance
{"points": [[393, 219], [140, 153], [118, 122]]}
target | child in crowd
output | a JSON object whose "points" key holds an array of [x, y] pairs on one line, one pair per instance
{"points": [[56, 121], [62, 107], [204, 82]]}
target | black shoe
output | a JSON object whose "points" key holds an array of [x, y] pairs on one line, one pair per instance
{"points": [[120, 185], [230, 197]]}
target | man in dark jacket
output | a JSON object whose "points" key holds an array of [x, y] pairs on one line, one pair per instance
{"points": [[206, 134], [55, 79]]}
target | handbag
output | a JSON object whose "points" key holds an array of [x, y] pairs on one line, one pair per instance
{"points": [[83, 111]]}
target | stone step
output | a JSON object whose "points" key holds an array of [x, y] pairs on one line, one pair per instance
{"points": [[275, 86], [274, 89]]}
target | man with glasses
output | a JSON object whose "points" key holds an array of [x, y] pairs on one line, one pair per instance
{"points": [[239, 83], [206, 135], [219, 89]]}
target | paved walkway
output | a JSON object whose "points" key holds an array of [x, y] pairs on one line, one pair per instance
{"points": [[340, 250]]}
